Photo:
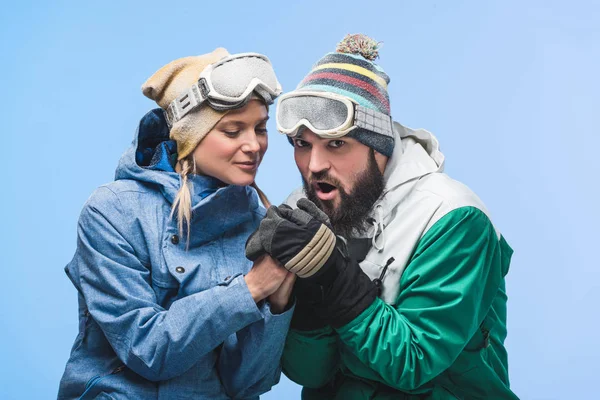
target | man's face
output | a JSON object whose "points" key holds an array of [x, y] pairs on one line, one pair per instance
{"points": [[342, 176]]}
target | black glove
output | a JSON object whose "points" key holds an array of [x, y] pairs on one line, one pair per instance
{"points": [[301, 239], [308, 296], [339, 292]]}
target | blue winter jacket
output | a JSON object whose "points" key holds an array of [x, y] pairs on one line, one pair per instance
{"points": [[157, 321]]}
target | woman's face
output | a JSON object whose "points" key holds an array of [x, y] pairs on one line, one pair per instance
{"points": [[234, 148]]}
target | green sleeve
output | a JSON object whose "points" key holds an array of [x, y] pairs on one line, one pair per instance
{"points": [[446, 290], [311, 358]]}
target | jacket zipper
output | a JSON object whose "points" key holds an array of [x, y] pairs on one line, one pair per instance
{"points": [[486, 336]]}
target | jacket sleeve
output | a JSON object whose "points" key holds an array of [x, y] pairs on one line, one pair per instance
{"points": [[446, 291], [311, 358], [156, 343], [250, 361]]}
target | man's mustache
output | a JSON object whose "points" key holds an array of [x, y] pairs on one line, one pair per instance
{"points": [[323, 176]]}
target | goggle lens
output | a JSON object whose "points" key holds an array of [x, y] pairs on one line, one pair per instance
{"points": [[322, 113]]}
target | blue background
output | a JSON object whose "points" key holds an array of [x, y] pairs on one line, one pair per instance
{"points": [[510, 88]]}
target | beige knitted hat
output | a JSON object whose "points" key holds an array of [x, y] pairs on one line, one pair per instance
{"points": [[171, 81]]}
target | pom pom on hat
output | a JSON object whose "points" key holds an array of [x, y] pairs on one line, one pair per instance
{"points": [[359, 44], [351, 72]]}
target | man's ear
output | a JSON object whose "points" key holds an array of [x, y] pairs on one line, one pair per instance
{"points": [[381, 161]]}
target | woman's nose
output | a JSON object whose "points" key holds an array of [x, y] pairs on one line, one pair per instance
{"points": [[251, 144]]}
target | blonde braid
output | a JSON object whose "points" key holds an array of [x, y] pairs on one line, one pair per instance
{"points": [[261, 195], [183, 199]]}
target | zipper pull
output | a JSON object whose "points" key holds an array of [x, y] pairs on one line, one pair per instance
{"points": [[118, 369], [379, 281], [486, 337]]}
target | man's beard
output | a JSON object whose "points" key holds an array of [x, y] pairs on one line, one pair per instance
{"points": [[354, 208]]}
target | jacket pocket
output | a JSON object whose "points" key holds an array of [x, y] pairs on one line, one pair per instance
{"points": [[93, 382], [466, 373], [104, 396], [165, 286], [481, 338]]}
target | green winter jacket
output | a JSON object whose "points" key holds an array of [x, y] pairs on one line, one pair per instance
{"points": [[438, 329]]}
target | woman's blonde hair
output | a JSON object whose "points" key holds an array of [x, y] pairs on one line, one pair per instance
{"points": [[183, 200], [261, 195]]}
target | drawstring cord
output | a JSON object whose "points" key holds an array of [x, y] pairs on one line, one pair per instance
{"points": [[379, 281], [379, 228]]}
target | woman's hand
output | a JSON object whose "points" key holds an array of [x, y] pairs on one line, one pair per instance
{"points": [[265, 277], [281, 297]]}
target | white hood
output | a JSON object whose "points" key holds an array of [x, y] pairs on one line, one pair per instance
{"points": [[416, 153]]}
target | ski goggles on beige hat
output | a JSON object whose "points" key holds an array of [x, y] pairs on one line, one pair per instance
{"points": [[228, 84]]}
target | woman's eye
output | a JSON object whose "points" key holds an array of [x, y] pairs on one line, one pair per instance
{"points": [[231, 133], [261, 130]]}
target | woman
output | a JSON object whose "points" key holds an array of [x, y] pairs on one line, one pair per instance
{"points": [[169, 307]]}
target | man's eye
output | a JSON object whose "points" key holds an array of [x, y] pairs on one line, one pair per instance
{"points": [[336, 143], [300, 143], [261, 130]]}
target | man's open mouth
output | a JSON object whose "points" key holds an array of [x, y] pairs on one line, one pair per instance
{"points": [[325, 190]]}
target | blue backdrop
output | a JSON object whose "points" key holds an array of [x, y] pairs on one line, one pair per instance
{"points": [[508, 87]]}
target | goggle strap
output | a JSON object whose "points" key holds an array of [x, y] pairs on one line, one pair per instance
{"points": [[186, 102], [373, 121], [264, 94]]}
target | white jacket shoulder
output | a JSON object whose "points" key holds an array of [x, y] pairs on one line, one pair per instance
{"points": [[453, 195]]}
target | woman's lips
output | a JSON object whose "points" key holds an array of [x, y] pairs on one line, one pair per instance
{"points": [[247, 165]]}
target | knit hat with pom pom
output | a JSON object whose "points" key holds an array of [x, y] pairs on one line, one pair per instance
{"points": [[351, 72]]}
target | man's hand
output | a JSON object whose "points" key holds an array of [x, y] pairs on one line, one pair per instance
{"points": [[301, 239], [334, 296]]}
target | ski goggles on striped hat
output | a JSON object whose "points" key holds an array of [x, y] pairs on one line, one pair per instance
{"points": [[228, 84], [328, 115]]}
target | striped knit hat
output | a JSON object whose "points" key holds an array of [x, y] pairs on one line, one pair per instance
{"points": [[351, 72]]}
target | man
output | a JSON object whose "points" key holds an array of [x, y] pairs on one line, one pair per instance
{"points": [[409, 302]]}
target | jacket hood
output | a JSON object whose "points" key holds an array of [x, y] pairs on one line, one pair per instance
{"points": [[151, 159], [416, 154], [216, 206]]}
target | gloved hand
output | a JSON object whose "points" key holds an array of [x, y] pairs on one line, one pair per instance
{"points": [[337, 294], [332, 289], [301, 239], [309, 297]]}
